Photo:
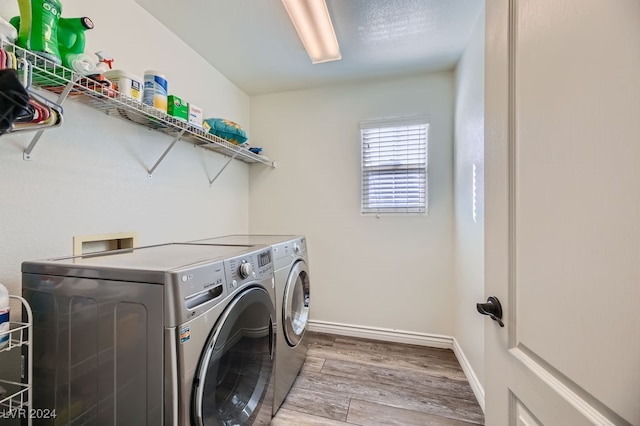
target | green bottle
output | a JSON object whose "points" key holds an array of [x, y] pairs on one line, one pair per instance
{"points": [[37, 27], [71, 38]]}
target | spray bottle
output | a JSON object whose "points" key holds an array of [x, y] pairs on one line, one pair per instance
{"points": [[4, 316], [71, 38], [37, 27]]}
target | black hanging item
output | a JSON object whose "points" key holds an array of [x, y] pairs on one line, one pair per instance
{"points": [[13, 98]]}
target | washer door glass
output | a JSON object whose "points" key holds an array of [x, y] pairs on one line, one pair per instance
{"points": [[296, 303], [232, 385]]}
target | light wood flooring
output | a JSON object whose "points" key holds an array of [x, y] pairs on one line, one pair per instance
{"points": [[352, 381]]}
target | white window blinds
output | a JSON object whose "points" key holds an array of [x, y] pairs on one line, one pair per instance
{"points": [[394, 166]]}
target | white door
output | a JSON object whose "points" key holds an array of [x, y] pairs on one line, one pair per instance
{"points": [[562, 238]]}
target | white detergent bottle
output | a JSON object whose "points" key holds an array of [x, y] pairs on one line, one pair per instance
{"points": [[4, 316]]}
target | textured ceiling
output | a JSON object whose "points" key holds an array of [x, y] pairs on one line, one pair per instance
{"points": [[253, 43]]}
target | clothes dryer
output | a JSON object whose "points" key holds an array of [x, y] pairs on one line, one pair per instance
{"points": [[174, 334], [292, 282]]}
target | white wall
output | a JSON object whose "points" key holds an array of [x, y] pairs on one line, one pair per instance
{"points": [[90, 176], [469, 235], [394, 272]]}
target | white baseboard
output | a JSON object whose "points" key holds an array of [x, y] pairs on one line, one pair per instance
{"points": [[475, 384], [407, 337], [384, 334]]}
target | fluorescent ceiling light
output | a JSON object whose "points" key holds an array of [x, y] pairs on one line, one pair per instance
{"points": [[313, 24]]}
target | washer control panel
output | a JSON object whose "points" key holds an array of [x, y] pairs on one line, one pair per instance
{"points": [[246, 268]]}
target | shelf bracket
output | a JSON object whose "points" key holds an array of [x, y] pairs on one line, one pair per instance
{"points": [[224, 167], [164, 154], [26, 155]]}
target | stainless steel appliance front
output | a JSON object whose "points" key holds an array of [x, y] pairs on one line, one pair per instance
{"points": [[292, 282], [147, 336]]}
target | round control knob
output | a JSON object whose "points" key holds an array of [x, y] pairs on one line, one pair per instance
{"points": [[245, 269], [296, 248]]}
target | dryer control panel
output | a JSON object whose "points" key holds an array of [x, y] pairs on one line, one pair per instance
{"points": [[250, 267], [285, 253]]}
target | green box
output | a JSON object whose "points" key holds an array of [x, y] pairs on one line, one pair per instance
{"points": [[177, 108]]}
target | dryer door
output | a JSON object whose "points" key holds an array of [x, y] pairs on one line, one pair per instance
{"points": [[296, 303], [233, 383]]}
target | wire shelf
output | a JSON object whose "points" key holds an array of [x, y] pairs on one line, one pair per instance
{"points": [[15, 402], [55, 78], [18, 335], [16, 397]]}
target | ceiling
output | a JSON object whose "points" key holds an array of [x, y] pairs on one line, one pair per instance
{"points": [[254, 44]]}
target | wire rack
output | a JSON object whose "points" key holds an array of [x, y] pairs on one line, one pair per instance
{"points": [[16, 402], [52, 77], [17, 399]]}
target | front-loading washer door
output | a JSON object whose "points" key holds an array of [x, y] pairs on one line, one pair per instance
{"points": [[296, 303], [233, 383]]}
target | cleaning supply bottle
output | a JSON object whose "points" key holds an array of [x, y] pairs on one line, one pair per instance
{"points": [[4, 316], [37, 27], [71, 38]]}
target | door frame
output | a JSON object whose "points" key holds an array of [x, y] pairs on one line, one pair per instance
{"points": [[499, 189]]}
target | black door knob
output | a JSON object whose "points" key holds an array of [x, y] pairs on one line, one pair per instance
{"points": [[493, 308]]}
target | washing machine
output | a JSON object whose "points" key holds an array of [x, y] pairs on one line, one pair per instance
{"points": [[292, 283], [173, 334]]}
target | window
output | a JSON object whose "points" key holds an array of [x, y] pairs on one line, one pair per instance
{"points": [[394, 166]]}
